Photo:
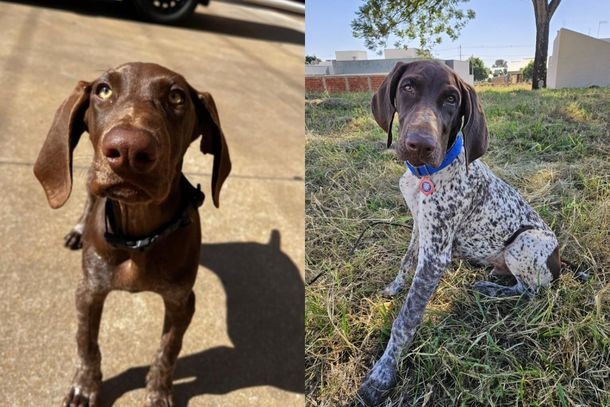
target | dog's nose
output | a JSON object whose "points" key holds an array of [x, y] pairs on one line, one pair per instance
{"points": [[130, 149], [420, 145]]}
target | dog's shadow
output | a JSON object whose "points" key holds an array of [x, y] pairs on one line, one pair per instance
{"points": [[265, 321]]}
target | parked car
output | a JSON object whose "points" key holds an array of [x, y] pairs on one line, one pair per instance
{"points": [[167, 11], [172, 11]]}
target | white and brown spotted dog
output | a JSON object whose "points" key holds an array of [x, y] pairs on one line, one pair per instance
{"points": [[459, 207]]}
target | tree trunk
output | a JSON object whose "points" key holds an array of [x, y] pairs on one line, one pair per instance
{"points": [[542, 46], [543, 12]]}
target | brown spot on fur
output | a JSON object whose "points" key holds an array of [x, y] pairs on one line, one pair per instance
{"points": [[554, 263]]}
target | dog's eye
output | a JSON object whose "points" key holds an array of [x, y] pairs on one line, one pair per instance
{"points": [[103, 91], [408, 87], [176, 97], [451, 99]]}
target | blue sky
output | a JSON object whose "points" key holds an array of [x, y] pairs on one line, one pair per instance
{"points": [[501, 29]]}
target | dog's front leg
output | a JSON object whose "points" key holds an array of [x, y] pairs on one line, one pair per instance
{"points": [[178, 315], [382, 377], [88, 378], [407, 265]]}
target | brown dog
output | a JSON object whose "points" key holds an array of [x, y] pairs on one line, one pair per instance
{"points": [[140, 230]]}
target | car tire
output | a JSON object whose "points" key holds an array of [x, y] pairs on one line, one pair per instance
{"points": [[165, 11]]}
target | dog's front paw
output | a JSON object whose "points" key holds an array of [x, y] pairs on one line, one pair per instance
{"points": [[84, 391], [391, 290], [395, 286], [158, 399], [73, 240], [378, 383]]}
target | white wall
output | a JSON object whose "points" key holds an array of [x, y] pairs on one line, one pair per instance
{"points": [[462, 68], [397, 53], [578, 61], [517, 65], [322, 68], [350, 55]]}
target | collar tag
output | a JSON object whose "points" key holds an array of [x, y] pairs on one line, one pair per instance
{"points": [[426, 186]]}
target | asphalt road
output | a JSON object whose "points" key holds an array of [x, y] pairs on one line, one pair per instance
{"points": [[245, 344]]}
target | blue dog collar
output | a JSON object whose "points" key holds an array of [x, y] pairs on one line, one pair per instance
{"points": [[451, 156]]}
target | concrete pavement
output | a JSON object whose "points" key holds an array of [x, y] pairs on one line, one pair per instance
{"points": [[245, 344]]}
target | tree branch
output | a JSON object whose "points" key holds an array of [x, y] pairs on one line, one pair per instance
{"points": [[552, 7]]}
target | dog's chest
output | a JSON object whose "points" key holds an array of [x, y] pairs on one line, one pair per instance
{"points": [[441, 194], [410, 191], [128, 276]]}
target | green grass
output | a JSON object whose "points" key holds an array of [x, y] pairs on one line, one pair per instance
{"points": [[554, 350]]}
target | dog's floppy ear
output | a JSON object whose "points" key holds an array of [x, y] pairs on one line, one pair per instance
{"points": [[212, 141], [53, 167], [383, 103], [474, 129]]}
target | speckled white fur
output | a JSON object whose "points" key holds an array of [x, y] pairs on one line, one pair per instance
{"points": [[471, 214], [484, 212]]}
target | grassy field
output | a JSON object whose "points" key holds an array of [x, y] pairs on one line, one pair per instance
{"points": [[554, 350]]}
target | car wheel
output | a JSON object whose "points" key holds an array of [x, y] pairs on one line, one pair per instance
{"points": [[165, 11]]}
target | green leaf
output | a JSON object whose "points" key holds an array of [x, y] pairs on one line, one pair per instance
{"points": [[409, 20]]}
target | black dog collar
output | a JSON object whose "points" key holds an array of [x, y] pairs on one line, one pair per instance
{"points": [[182, 219]]}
